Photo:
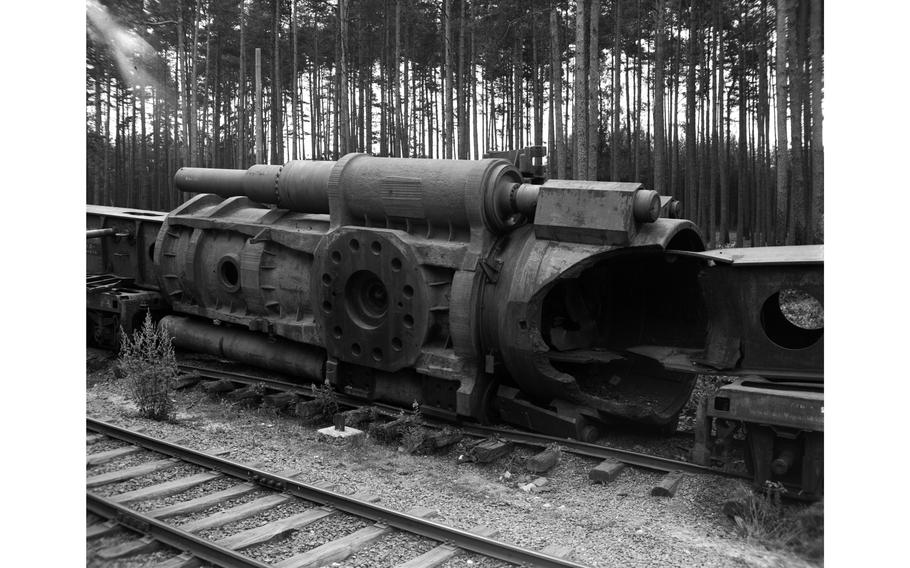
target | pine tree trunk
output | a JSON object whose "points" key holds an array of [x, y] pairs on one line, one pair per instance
{"points": [[277, 139], [259, 141], [315, 100], [636, 165], [649, 88], [629, 88], [216, 108], [241, 106], [762, 191], [782, 149], [193, 96], [722, 144], [400, 142], [461, 88], [617, 94], [796, 224], [368, 111], [204, 148], [105, 198], [580, 170], [181, 63], [473, 83], [115, 197], [742, 165], [448, 118], [295, 84], [143, 154], [817, 234], [673, 123], [537, 86], [172, 189], [155, 193], [703, 216], [556, 95], [343, 125], [594, 92], [659, 138], [516, 142], [132, 189], [689, 203], [384, 92], [100, 141], [715, 145]]}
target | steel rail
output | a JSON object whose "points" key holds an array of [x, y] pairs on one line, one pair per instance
{"points": [[168, 534], [403, 521], [597, 451], [294, 388], [244, 378]]}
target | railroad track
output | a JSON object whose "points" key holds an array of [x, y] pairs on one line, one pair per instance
{"points": [[597, 451], [156, 528]]}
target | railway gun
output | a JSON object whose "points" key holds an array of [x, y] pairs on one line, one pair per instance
{"points": [[481, 290]]}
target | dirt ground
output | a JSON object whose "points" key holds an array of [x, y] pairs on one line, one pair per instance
{"points": [[618, 524]]}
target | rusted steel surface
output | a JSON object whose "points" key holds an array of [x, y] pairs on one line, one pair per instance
{"points": [[788, 255], [438, 271], [749, 329], [477, 288], [114, 303], [299, 361], [129, 252], [760, 401]]}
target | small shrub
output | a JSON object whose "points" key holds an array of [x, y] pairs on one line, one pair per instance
{"points": [[149, 366], [327, 398]]}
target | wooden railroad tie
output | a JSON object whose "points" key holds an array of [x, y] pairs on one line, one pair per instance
{"points": [[543, 462], [357, 416], [606, 471], [444, 552], [250, 394], [185, 380], [282, 400], [488, 450], [668, 484], [309, 409], [219, 386], [341, 548], [388, 430]]}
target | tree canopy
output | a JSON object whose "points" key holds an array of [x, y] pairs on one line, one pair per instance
{"points": [[717, 103]]}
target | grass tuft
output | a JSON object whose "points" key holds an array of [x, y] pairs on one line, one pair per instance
{"points": [[762, 516]]}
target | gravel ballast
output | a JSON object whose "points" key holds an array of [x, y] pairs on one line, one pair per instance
{"points": [[617, 524]]}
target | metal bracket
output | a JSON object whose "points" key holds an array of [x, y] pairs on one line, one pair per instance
{"points": [[491, 269]]}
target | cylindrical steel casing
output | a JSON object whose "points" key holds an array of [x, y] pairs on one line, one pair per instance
{"points": [[456, 193], [256, 349]]}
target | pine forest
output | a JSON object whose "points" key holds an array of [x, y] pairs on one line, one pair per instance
{"points": [[717, 103]]}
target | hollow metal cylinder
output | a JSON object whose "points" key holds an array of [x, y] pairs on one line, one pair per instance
{"points": [[256, 349], [98, 233]]}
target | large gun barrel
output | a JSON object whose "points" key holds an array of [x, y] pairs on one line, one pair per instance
{"points": [[298, 185], [360, 186]]}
